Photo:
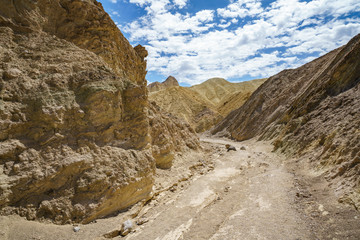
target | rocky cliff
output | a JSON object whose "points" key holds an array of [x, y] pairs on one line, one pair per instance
{"points": [[204, 105], [76, 141], [310, 111]]}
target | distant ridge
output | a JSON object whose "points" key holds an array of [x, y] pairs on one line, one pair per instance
{"points": [[203, 105], [169, 82]]}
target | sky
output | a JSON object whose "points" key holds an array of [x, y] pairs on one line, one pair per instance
{"points": [[239, 40]]}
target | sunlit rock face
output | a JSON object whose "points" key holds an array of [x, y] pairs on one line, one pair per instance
{"points": [[75, 134], [312, 111]]}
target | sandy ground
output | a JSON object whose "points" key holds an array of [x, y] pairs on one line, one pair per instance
{"points": [[251, 193]]}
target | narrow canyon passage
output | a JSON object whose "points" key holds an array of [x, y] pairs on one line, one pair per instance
{"points": [[251, 193], [248, 195]]}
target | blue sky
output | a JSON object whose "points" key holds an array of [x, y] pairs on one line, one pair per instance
{"points": [[194, 40]]}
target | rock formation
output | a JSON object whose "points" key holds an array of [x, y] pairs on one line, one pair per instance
{"points": [[168, 135], [75, 133], [168, 83], [312, 111], [203, 105], [187, 105]]}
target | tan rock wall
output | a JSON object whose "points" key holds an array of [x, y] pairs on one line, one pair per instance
{"points": [[75, 139], [170, 135], [310, 111], [84, 23], [63, 116]]}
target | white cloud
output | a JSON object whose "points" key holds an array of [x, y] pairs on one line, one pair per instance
{"points": [[286, 34], [225, 25], [180, 3], [165, 24], [153, 6], [241, 8], [115, 13], [113, 1]]}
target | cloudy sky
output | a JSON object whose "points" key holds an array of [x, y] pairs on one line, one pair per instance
{"points": [[195, 40]]}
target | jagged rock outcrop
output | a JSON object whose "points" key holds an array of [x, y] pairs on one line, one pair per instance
{"points": [[168, 83], [204, 105], [83, 23], [75, 138], [310, 110]]}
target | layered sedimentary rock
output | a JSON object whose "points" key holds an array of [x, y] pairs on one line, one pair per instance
{"points": [[217, 90], [187, 105], [310, 110], [168, 135], [75, 138], [203, 105]]}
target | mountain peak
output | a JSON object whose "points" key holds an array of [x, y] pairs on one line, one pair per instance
{"points": [[169, 82]]}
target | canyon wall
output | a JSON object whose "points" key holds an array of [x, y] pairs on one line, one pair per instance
{"points": [[76, 141], [310, 111], [202, 105]]}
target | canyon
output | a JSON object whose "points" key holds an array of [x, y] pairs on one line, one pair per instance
{"points": [[88, 150], [79, 139], [202, 105]]}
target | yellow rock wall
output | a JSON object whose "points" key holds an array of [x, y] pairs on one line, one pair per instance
{"points": [[75, 138]]}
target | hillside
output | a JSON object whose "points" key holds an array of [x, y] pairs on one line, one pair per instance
{"points": [[78, 137], [188, 105], [203, 105], [312, 111], [157, 86], [216, 90]]}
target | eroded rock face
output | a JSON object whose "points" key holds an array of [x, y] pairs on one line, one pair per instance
{"points": [[82, 22], [75, 139], [170, 135], [312, 110], [63, 121], [203, 105]]}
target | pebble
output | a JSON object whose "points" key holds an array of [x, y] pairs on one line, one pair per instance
{"points": [[12, 73], [76, 229], [141, 221], [126, 228]]}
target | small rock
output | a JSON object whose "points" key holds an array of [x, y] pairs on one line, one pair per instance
{"points": [[242, 148], [303, 195], [173, 189], [16, 168], [12, 73], [112, 234], [141, 221], [76, 229], [229, 147], [126, 228], [325, 213]]}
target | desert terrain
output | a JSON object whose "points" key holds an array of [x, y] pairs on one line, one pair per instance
{"points": [[202, 105], [251, 193], [89, 150]]}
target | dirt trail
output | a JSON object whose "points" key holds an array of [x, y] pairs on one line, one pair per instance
{"points": [[248, 195], [251, 193]]}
